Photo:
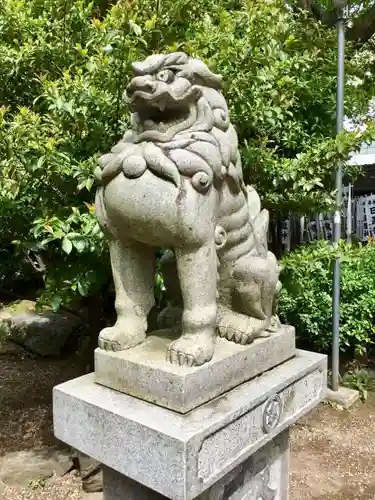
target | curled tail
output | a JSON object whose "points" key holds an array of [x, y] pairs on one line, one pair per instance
{"points": [[250, 277]]}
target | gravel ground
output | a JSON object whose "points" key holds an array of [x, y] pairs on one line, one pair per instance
{"points": [[26, 420], [333, 452], [25, 400], [63, 488]]}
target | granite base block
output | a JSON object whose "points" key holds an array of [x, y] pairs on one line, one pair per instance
{"points": [[344, 397], [262, 476], [152, 378], [183, 456]]}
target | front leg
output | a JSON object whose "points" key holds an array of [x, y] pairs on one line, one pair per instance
{"points": [[133, 267], [197, 271]]}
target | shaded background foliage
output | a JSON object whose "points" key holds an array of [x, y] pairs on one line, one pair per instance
{"points": [[306, 299], [64, 65]]}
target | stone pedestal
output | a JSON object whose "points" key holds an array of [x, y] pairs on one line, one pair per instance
{"points": [[262, 476], [143, 371], [234, 447]]}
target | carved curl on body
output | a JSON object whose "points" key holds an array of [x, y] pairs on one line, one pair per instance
{"points": [[175, 181]]}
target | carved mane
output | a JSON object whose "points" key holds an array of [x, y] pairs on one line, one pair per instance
{"points": [[192, 135]]}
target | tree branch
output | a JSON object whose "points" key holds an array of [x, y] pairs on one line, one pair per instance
{"points": [[316, 10], [363, 27]]}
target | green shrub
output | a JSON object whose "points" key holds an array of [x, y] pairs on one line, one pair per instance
{"points": [[64, 66], [306, 298], [360, 380]]}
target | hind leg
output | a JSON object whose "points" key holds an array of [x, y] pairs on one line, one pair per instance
{"points": [[170, 316], [255, 284], [253, 295], [133, 267]]}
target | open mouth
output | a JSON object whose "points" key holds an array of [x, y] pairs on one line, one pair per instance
{"points": [[154, 118], [161, 110]]}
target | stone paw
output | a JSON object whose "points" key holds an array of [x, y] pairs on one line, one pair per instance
{"points": [[119, 337], [275, 325], [238, 336], [242, 329], [264, 334], [192, 349]]}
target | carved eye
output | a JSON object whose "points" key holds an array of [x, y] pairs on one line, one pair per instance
{"points": [[166, 76]]}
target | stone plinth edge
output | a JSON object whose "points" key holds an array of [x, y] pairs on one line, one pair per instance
{"points": [[143, 371]]}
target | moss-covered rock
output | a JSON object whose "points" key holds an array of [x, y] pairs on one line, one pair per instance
{"points": [[44, 333]]}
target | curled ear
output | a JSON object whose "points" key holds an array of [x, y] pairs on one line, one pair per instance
{"points": [[199, 74], [155, 62], [176, 58]]}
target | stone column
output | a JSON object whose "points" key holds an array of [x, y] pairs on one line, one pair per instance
{"points": [[215, 432], [262, 476]]}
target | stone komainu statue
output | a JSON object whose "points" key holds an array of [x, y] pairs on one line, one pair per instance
{"points": [[175, 181]]}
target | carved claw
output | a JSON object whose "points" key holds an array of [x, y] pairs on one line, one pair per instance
{"points": [[119, 338], [275, 325], [109, 345], [191, 350], [179, 358], [237, 336], [241, 329]]}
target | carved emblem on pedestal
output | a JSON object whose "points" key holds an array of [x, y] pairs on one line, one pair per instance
{"points": [[272, 414]]}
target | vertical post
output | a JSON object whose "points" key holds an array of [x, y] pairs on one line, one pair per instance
{"points": [[349, 227], [337, 215], [302, 229], [317, 223]]}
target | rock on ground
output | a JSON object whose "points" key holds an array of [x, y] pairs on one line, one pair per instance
{"points": [[32, 467], [44, 333]]}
